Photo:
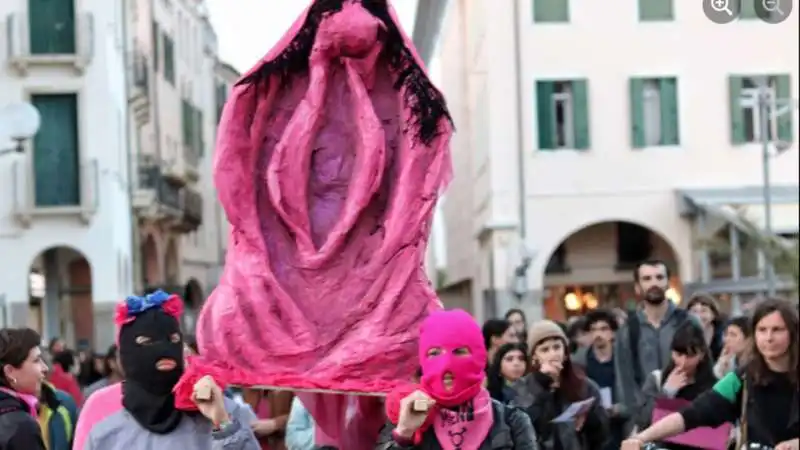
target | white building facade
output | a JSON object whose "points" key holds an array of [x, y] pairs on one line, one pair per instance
{"points": [[175, 105], [113, 196], [626, 137], [64, 203]]}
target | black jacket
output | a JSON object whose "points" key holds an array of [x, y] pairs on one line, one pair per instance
{"points": [[18, 429], [543, 405], [512, 430]]}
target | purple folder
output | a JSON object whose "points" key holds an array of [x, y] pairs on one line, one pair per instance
{"points": [[703, 438]]}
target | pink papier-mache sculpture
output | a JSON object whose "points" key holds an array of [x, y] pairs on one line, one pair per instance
{"points": [[331, 155]]}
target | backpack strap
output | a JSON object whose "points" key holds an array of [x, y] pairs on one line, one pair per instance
{"points": [[742, 438], [634, 331]]}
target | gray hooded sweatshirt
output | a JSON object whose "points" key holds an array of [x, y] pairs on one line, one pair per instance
{"points": [[105, 425]]}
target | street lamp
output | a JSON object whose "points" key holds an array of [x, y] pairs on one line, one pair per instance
{"points": [[769, 107], [19, 122]]}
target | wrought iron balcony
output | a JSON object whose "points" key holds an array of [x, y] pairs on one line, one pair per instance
{"points": [[157, 196], [192, 210], [139, 87]]}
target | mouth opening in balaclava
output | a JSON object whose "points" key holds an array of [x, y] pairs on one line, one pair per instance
{"points": [[151, 354]]}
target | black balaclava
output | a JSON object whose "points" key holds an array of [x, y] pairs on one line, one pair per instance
{"points": [[146, 391]]}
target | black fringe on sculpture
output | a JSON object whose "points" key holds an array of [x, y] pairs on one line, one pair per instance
{"points": [[427, 104]]}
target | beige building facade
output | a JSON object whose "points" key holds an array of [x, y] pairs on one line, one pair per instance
{"points": [[180, 239], [113, 195], [590, 139]]}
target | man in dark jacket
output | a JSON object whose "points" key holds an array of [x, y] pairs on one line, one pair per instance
{"points": [[643, 344], [597, 361]]}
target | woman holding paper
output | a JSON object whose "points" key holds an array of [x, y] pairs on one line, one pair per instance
{"points": [[762, 396], [563, 404], [688, 375]]}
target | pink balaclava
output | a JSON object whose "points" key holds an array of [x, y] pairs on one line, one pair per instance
{"points": [[450, 331]]}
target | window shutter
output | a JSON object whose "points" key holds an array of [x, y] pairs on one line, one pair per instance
{"points": [[156, 46], [198, 129], [738, 135], [56, 154], [783, 90], [655, 10], [187, 124], [636, 86], [670, 131], [544, 114], [748, 9], [51, 26], [551, 10], [580, 104]]}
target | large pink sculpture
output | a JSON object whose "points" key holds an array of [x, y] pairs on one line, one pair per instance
{"points": [[331, 154]]}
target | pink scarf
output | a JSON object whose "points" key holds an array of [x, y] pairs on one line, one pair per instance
{"points": [[30, 400], [467, 427]]}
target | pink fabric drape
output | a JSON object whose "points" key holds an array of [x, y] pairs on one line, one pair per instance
{"points": [[328, 173]]}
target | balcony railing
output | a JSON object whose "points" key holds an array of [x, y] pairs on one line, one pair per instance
{"points": [[139, 87], [140, 71], [191, 158], [24, 198], [21, 57], [192, 210], [165, 195]]}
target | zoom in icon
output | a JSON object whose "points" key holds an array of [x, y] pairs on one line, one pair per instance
{"points": [[723, 11]]}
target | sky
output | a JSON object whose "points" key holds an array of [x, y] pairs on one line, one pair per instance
{"points": [[248, 31]]}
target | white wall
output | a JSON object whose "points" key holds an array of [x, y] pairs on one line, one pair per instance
{"points": [[568, 190], [105, 240]]}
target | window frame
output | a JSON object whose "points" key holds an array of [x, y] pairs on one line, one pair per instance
{"points": [[652, 112], [566, 99]]}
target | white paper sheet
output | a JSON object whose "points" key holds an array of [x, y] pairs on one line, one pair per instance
{"points": [[605, 397], [573, 410]]}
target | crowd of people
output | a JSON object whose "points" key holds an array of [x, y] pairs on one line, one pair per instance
{"points": [[676, 377]]}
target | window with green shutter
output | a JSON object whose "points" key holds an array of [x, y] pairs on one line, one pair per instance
{"points": [[551, 10], [655, 10], [221, 96], [198, 132], [745, 92], [169, 58], [563, 114], [748, 11], [783, 91], [186, 120], [56, 156], [654, 112], [156, 46], [52, 27]]}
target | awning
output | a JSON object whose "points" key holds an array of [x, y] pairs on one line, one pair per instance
{"points": [[735, 204], [747, 285], [785, 218]]}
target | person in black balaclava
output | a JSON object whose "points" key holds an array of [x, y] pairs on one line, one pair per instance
{"points": [[142, 412], [151, 353]]}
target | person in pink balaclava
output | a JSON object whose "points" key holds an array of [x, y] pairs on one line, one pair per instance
{"points": [[461, 414]]}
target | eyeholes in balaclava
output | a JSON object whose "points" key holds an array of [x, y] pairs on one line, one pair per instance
{"points": [[151, 341]]}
